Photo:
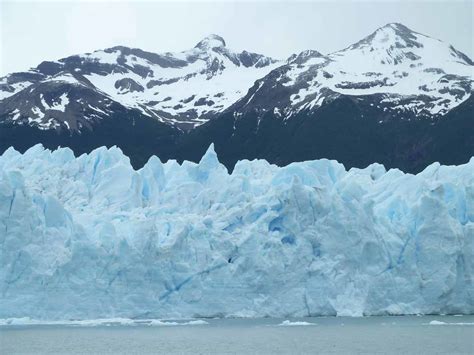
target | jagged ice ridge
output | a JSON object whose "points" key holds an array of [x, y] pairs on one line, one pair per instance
{"points": [[90, 237]]}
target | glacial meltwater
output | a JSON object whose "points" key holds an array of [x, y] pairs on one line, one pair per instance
{"points": [[322, 335]]}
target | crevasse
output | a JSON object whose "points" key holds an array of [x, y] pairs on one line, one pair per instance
{"points": [[90, 237]]}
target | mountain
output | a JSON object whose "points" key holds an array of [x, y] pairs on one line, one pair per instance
{"points": [[396, 97], [181, 89], [416, 76]]}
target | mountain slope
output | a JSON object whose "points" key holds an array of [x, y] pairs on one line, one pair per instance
{"points": [[346, 128]]}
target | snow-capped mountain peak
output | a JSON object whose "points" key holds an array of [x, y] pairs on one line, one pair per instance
{"points": [[184, 89], [396, 44], [304, 57], [211, 41], [392, 34], [414, 75]]}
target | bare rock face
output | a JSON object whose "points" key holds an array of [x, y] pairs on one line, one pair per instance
{"points": [[126, 85]]}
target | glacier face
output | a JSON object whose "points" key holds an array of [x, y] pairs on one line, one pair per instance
{"points": [[90, 237]]}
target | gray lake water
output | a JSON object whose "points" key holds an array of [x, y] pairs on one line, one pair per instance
{"points": [[369, 335]]}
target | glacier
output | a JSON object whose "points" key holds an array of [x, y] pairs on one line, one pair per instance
{"points": [[89, 237]]}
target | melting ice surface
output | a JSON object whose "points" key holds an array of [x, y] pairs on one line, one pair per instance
{"points": [[89, 237]]}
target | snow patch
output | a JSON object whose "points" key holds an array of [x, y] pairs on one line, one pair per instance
{"points": [[61, 105]]}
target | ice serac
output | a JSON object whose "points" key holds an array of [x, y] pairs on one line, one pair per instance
{"points": [[89, 237]]}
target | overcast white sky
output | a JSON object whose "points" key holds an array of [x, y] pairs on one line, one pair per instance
{"points": [[35, 31]]}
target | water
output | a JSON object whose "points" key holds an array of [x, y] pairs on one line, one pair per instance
{"points": [[381, 335]]}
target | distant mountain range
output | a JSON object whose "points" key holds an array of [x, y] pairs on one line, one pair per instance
{"points": [[396, 97]]}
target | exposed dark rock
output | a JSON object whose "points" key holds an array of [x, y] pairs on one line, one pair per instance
{"points": [[128, 85]]}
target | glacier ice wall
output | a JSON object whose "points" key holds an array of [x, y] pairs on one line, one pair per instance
{"points": [[90, 237]]}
